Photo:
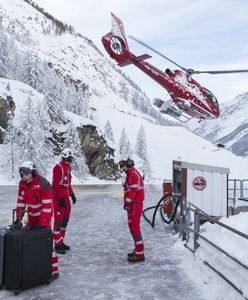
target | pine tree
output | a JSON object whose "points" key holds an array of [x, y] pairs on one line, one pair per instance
{"points": [[72, 141], [31, 138], [140, 150], [11, 153], [5, 60], [124, 91], [140, 147], [53, 99], [147, 172], [108, 131], [44, 124], [124, 147]]}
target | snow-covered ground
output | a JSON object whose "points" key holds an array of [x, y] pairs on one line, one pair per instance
{"points": [[96, 266]]}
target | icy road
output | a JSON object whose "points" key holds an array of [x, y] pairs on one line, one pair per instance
{"points": [[96, 266]]}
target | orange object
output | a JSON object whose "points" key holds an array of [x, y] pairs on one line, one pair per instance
{"points": [[167, 188], [168, 204]]}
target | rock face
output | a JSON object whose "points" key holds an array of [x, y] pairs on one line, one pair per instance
{"points": [[7, 107], [99, 156]]}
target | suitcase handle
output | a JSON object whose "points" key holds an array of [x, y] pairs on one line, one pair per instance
{"points": [[13, 214]]}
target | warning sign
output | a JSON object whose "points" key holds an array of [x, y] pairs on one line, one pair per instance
{"points": [[199, 183]]}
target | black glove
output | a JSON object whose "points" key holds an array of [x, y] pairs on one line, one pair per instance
{"points": [[62, 202], [125, 207], [73, 198], [37, 227], [17, 224]]}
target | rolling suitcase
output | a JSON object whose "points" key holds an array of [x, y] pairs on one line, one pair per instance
{"points": [[27, 258], [2, 234]]}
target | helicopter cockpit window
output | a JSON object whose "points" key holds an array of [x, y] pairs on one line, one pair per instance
{"points": [[211, 97]]}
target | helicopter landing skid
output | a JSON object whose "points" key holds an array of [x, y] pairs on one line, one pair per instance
{"points": [[168, 108]]}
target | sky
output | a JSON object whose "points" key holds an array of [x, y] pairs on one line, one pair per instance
{"points": [[202, 35]]}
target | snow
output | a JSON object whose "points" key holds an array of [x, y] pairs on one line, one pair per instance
{"points": [[19, 92], [233, 114], [234, 245], [164, 143], [96, 266], [76, 58]]}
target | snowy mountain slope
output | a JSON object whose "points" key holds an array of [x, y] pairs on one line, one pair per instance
{"points": [[112, 97], [164, 143], [230, 129], [167, 143], [70, 55], [19, 92]]}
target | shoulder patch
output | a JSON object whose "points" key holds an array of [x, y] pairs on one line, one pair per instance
{"points": [[45, 183]]}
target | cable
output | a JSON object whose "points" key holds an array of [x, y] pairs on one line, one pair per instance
{"points": [[159, 205]]}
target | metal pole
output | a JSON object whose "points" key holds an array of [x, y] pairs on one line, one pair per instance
{"points": [[196, 228]]}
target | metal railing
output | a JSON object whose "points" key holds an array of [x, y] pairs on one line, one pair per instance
{"points": [[238, 189], [185, 230], [244, 190]]}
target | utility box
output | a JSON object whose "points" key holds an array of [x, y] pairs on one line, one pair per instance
{"points": [[202, 185]]}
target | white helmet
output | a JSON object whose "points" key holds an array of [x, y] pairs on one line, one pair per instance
{"points": [[27, 167], [67, 152], [67, 155]]}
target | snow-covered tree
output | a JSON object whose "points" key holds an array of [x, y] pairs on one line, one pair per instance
{"points": [[124, 147], [147, 172], [11, 153], [140, 147], [5, 59], [44, 123], [30, 69], [32, 138], [55, 108], [108, 131], [124, 91], [140, 150], [72, 141]]}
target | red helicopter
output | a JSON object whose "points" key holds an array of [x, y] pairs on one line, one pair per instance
{"points": [[188, 98]]}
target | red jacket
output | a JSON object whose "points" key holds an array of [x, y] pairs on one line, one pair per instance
{"points": [[37, 198], [62, 180], [133, 187]]}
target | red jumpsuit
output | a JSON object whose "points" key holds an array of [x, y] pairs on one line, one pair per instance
{"points": [[133, 197], [61, 190], [37, 197]]}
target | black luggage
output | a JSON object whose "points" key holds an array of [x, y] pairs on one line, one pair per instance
{"points": [[2, 234], [27, 258]]}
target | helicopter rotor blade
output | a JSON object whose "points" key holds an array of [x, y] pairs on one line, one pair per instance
{"points": [[217, 72], [145, 45]]}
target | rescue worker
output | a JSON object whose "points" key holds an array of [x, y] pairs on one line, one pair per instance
{"points": [[133, 203], [35, 192], [62, 190]]}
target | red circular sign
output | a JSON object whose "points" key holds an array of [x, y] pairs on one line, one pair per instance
{"points": [[199, 183]]}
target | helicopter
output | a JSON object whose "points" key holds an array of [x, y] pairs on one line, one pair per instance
{"points": [[188, 99]]}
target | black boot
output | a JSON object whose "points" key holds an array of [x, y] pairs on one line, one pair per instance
{"points": [[65, 247], [59, 249], [130, 254], [135, 259]]}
